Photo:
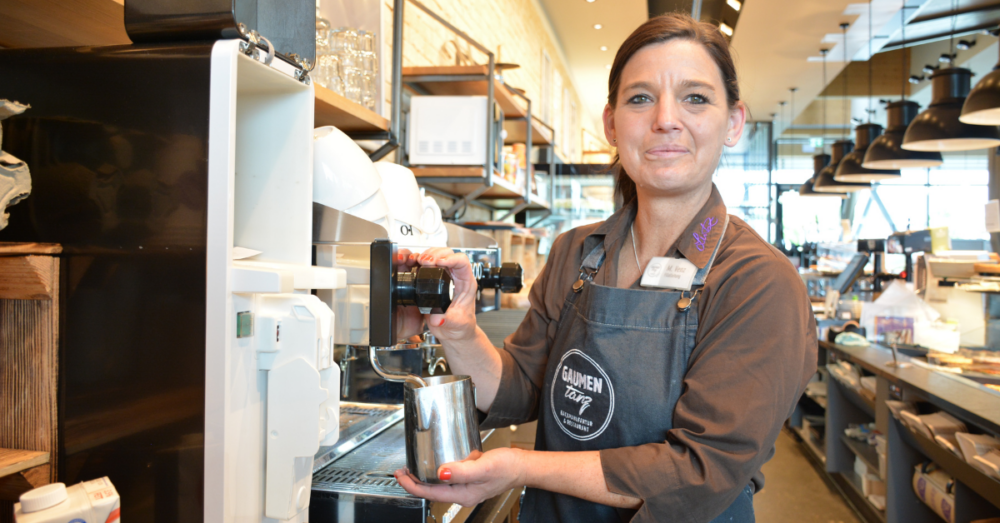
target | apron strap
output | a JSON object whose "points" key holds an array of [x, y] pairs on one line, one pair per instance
{"points": [[593, 261]]}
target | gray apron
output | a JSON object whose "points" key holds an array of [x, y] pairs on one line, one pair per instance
{"points": [[614, 375]]}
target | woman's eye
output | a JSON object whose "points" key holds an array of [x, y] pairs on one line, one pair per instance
{"points": [[638, 99], [696, 99]]}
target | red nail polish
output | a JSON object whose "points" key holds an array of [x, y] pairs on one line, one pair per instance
{"points": [[445, 475], [442, 322]]}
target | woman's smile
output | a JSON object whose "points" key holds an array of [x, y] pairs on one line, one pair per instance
{"points": [[666, 152]]}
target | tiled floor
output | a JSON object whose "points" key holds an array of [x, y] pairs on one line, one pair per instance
{"points": [[794, 492]]}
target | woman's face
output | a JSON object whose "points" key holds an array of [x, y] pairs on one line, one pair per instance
{"points": [[671, 118]]}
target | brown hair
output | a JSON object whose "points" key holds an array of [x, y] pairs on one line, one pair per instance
{"points": [[661, 29]]}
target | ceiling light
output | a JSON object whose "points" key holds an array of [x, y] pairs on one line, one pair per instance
{"points": [[914, 79], [607, 66], [604, 48], [820, 161], [886, 152], [598, 26], [964, 45], [982, 106], [590, 1], [735, 4], [938, 127], [929, 69], [825, 182], [850, 168], [726, 30]]}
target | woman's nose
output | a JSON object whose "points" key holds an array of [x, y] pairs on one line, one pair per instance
{"points": [[666, 116]]}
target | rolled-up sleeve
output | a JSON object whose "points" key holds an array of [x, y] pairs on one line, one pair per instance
{"points": [[525, 353], [755, 351]]}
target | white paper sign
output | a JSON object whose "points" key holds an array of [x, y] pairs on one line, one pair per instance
{"points": [[993, 216], [669, 273]]}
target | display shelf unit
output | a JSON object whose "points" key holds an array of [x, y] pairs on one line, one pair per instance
{"points": [[507, 110], [977, 496]]}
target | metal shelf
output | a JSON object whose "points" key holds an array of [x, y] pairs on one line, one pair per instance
{"points": [[462, 80]]}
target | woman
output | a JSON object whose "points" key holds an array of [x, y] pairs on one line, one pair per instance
{"points": [[664, 347]]}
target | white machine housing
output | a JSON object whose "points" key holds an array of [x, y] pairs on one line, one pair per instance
{"points": [[271, 390]]}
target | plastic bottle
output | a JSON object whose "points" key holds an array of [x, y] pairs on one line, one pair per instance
{"points": [[94, 501]]}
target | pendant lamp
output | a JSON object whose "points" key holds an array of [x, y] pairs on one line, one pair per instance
{"points": [[825, 181], [886, 151], [982, 106], [850, 168], [820, 161], [938, 128]]}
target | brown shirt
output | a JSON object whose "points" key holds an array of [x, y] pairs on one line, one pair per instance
{"points": [[755, 351]]}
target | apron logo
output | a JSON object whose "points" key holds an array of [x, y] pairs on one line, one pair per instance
{"points": [[582, 397]]}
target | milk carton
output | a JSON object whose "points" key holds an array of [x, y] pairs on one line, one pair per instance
{"points": [[94, 501]]}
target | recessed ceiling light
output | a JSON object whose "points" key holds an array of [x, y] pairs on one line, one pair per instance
{"points": [[598, 26], [735, 4], [590, 1], [604, 48], [608, 66], [726, 30]]}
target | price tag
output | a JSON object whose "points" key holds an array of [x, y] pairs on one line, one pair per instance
{"points": [[669, 273]]}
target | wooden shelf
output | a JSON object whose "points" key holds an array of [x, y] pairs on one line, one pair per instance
{"points": [[21, 471], [517, 132], [13, 461], [336, 110], [505, 99], [462, 186], [62, 23]]}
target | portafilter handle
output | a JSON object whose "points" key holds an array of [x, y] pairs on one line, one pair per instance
{"points": [[429, 288]]}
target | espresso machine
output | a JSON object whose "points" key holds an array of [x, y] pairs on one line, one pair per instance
{"points": [[353, 479]]}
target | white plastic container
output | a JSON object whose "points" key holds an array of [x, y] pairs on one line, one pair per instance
{"points": [[94, 501]]}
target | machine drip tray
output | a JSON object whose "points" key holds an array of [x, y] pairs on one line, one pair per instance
{"points": [[370, 470], [359, 422]]}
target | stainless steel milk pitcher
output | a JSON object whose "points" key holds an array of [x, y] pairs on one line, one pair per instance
{"points": [[442, 425]]}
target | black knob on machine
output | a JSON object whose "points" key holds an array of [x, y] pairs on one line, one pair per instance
{"points": [[428, 288], [508, 277]]}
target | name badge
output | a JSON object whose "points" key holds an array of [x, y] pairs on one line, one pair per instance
{"points": [[669, 273]]}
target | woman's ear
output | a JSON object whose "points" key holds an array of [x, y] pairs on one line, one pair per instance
{"points": [[609, 125], [737, 119]]}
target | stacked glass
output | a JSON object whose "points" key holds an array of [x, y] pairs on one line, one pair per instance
{"points": [[346, 62]]}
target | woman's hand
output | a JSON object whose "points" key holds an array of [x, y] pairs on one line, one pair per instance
{"points": [[470, 482], [458, 323]]}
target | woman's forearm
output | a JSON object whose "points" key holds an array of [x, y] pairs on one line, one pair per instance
{"points": [[577, 474], [477, 358]]}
